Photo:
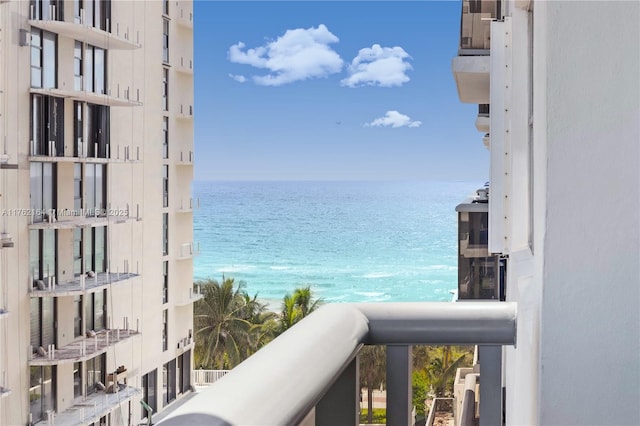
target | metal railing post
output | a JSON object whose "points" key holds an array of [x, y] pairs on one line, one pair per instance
{"points": [[340, 405], [490, 385], [399, 391]]}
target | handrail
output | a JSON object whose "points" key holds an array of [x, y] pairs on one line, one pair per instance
{"points": [[282, 382]]}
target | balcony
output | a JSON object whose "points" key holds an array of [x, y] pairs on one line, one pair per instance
{"points": [[325, 347], [122, 154], [81, 285], [121, 98], [83, 349], [187, 206], [188, 251], [89, 34], [186, 159], [189, 296], [185, 18], [185, 66], [90, 409], [185, 112], [83, 218], [471, 66], [482, 121]]}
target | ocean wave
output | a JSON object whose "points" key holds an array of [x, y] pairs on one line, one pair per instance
{"points": [[378, 275], [279, 268], [236, 268], [369, 293]]}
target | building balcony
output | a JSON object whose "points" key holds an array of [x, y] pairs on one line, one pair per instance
{"points": [[185, 112], [482, 121], [471, 66], [117, 98], [89, 409], [185, 66], [188, 251], [120, 154], [325, 346], [185, 159], [84, 348], [185, 18], [83, 218], [187, 206], [189, 296], [89, 34], [82, 284]]}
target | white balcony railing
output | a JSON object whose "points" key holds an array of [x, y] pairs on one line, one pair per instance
{"points": [[207, 377], [325, 347], [188, 250]]}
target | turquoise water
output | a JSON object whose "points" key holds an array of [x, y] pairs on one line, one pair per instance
{"points": [[350, 241]]}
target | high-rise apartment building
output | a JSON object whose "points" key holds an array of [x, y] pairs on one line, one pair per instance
{"points": [[96, 163]]}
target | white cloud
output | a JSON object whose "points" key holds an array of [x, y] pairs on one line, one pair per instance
{"points": [[238, 78], [299, 54], [379, 66], [394, 119]]}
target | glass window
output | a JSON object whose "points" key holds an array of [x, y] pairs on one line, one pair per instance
{"points": [[95, 373], [77, 252], [47, 125], [43, 331], [42, 256], [88, 69], [79, 149], [165, 41], [165, 329], [100, 68], [186, 371], [48, 60], [169, 382], [149, 390], [165, 137], [77, 8], [77, 320], [165, 283], [36, 58], [165, 186], [77, 66], [77, 379], [165, 234], [94, 311], [165, 7], [165, 89], [42, 187], [77, 187], [41, 391], [100, 248]]}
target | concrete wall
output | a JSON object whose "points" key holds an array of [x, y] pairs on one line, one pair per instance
{"points": [[590, 321]]}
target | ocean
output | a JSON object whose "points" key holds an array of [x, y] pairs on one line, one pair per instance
{"points": [[349, 241]]}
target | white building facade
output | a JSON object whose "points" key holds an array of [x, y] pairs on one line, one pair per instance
{"points": [[96, 163], [559, 82]]}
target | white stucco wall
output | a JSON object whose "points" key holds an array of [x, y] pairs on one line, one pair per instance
{"points": [[590, 317]]}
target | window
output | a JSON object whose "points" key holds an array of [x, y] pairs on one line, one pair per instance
{"points": [[42, 256], [43, 59], [149, 390], [185, 378], [165, 7], [47, 125], [95, 311], [165, 330], [165, 282], [165, 234], [77, 66], [46, 10], [97, 13], [98, 131], [95, 69], [43, 317], [95, 189], [42, 190], [95, 373], [77, 379], [165, 89], [169, 382], [77, 187], [42, 386], [78, 11], [77, 252], [165, 137], [95, 244], [79, 148], [165, 186], [77, 320], [165, 41]]}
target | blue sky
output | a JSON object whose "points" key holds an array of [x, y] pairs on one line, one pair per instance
{"points": [[278, 95]]}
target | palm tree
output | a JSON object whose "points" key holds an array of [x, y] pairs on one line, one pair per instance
{"points": [[373, 361], [443, 368], [297, 306], [221, 325]]}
